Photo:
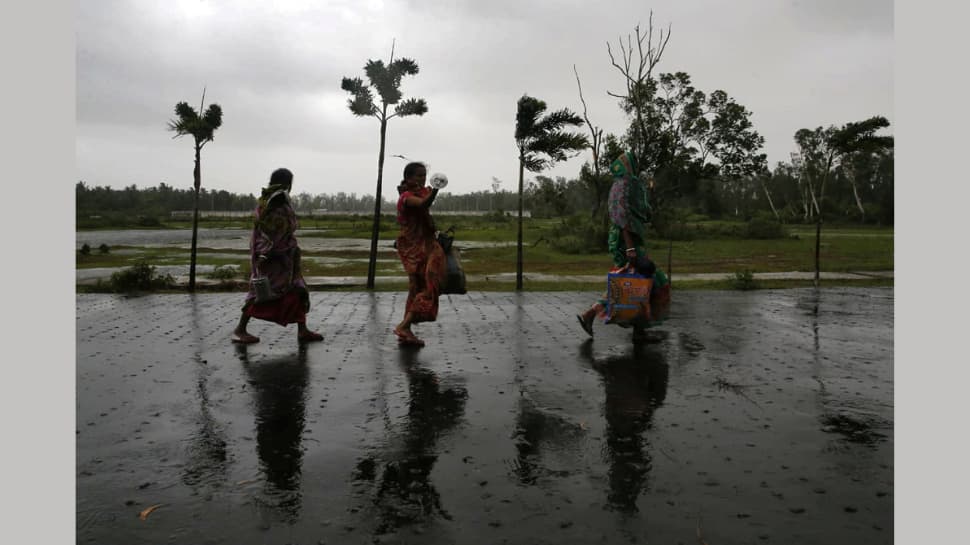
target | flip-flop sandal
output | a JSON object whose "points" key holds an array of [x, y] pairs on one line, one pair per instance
{"points": [[310, 337], [587, 326], [244, 339]]}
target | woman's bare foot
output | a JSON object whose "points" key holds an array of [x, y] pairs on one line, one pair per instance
{"points": [[243, 337], [309, 336], [304, 335], [586, 322]]}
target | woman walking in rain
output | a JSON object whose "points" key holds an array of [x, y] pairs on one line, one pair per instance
{"points": [[630, 213], [420, 253], [277, 292]]}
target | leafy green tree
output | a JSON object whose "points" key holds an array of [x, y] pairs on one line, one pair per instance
{"points": [[542, 142], [386, 80], [821, 148], [695, 138], [202, 129]]}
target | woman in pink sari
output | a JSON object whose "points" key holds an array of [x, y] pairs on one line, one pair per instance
{"points": [[420, 253], [275, 255]]}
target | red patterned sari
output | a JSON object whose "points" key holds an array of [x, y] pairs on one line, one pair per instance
{"points": [[422, 257], [273, 236]]}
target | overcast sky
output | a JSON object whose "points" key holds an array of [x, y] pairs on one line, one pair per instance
{"points": [[276, 67]]}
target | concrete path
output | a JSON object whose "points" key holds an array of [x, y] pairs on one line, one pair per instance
{"points": [[750, 417], [91, 276]]}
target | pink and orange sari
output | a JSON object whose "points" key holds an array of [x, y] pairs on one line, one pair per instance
{"points": [[422, 257]]}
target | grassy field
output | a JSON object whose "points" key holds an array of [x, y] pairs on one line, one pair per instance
{"points": [[843, 249]]}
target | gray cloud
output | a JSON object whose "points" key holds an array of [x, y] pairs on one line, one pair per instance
{"points": [[276, 71]]}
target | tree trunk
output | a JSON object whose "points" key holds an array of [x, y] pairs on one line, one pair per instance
{"points": [[518, 259], [818, 219], [197, 178], [372, 264], [855, 193], [764, 187], [818, 246], [805, 208]]}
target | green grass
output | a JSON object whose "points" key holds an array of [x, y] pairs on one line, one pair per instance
{"points": [[849, 248]]}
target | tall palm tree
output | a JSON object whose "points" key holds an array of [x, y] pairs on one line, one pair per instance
{"points": [[386, 79], [542, 143], [202, 129]]}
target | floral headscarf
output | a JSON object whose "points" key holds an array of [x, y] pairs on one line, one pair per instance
{"points": [[625, 165]]}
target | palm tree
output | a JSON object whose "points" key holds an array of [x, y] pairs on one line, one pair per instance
{"points": [[542, 143], [202, 129], [387, 81]]}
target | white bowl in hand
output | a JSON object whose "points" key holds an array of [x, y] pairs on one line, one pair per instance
{"points": [[438, 180]]}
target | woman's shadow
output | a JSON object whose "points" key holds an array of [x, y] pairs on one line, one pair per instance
{"points": [[635, 385], [279, 390], [405, 493]]}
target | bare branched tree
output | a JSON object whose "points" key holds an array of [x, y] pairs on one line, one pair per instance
{"points": [[598, 184], [637, 73]]}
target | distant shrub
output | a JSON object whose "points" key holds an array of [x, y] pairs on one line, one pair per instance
{"points": [[224, 272], [497, 216], [104, 248], [764, 226], [140, 277], [578, 234], [148, 221], [85, 249], [744, 280]]}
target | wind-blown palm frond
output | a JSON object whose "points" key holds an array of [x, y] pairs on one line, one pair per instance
{"points": [[202, 129], [527, 115], [534, 163], [555, 121], [404, 67], [361, 102], [411, 106], [557, 145], [213, 116], [384, 80], [187, 119]]}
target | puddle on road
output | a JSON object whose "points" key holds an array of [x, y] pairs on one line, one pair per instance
{"points": [[855, 429]]}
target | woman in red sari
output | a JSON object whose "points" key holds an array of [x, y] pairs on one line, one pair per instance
{"points": [[274, 253], [420, 253]]}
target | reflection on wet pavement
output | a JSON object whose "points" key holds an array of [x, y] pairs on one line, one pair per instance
{"points": [[279, 389], [635, 385], [398, 472]]}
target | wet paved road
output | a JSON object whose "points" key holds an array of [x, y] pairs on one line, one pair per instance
{"points": [[758, 417]]}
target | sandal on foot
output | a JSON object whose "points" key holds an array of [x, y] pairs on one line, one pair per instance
{"points": [[586, 324], [245, 338], [309, 337]]}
